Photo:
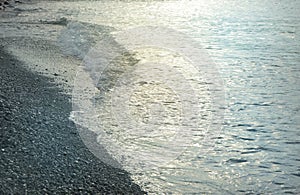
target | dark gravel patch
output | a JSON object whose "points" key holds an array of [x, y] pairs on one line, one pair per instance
{"points": [[9, 3], [40, 149]]}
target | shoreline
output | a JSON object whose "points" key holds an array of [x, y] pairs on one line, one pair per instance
{"points": [[41, 151]]}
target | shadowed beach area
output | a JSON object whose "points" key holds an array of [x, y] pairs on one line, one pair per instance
{"points": [[155, 97], [41, 151]]}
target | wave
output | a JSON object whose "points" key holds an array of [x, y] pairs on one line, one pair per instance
{"points": [[79, 37]]}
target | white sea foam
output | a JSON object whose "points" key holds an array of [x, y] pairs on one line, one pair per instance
{"points": [[152, 99], [78, 38], [257, 50]]}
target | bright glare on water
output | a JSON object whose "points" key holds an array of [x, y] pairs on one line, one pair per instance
{"points": [[254, 45]]}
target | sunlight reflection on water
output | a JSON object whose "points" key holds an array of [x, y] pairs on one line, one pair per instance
{"points": [[256, 47]]}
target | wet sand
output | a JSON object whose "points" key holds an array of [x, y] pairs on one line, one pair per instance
{"points": [[41, 151]]}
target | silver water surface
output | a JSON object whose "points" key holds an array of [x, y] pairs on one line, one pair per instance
{"points": [[256, 46]]}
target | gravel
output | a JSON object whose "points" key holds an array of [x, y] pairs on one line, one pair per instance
{"points": [[40, 149]]}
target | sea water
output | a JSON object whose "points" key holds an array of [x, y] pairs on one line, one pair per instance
{"points": [[137, 101]]}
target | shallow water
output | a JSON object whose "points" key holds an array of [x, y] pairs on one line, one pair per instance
{"points": [[254, 45]]}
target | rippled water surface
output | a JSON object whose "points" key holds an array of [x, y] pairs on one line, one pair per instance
{"points": [[255, 46]]}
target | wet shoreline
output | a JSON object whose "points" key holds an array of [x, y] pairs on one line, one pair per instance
{"points": [[41, 151], [254, 46]]}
